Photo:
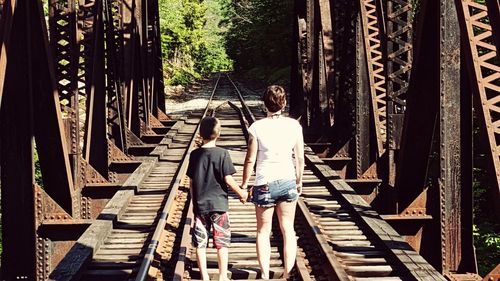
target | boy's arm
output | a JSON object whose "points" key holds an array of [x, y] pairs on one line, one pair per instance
{"points": [[250, 158], [242, 193]]}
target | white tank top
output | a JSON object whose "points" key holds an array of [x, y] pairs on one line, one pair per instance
{"points": [[276, 138]]}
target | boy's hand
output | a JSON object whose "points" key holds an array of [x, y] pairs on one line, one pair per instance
{"points": [[243, 196]]}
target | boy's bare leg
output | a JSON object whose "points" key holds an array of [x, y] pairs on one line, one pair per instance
{"points": [[201, 257], [222, 257], [264, 226]]}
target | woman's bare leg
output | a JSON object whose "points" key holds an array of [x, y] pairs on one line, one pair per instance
{"points": [[286, 216], [264, 226]]}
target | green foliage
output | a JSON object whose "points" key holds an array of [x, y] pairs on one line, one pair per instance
{"points": [[191, 38], [486, 230], [181, 76], [487, 243], [38, 170], [259, 35]]}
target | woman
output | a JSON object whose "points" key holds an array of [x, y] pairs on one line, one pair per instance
{"points": [[278, 184]]}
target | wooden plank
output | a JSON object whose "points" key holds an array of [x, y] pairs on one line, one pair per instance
{"points": [[71, 265], [417, 267]]}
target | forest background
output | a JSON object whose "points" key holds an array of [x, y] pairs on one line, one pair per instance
{"points": [[251, 37]]}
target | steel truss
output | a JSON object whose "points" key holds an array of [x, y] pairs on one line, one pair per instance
{"points": [[400, 79], [75, 95]]}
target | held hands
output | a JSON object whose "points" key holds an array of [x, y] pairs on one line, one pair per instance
{"points": [[243, 194]]}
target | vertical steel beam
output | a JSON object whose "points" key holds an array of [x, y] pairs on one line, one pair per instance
{"points": [[417, 173], [31, 110], [113, 48], [65, 48], [6, 27], [128, 57], [451, 179], [17, 173], [296, 85], [316, 72], [375, 70], [422, 106], [96, 144], [345, 37], [49, 131], [363, 154], [399, 57], [436, 147], [311, 60], [158, 83], [326, 59]]}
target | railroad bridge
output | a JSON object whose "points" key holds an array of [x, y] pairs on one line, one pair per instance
{"points": [[386, 101]]}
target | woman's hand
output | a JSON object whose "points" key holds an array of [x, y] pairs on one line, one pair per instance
{"points": [[244, 196], [299, 188]]}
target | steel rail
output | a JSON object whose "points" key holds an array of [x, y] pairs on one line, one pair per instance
{"points": [[153, 244], [246, 110]]}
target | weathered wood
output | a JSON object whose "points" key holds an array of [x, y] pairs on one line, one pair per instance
{"points": [[414, 264], [72, 265]]}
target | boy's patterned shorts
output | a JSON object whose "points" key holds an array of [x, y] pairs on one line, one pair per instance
{"points": [[221, 232]]}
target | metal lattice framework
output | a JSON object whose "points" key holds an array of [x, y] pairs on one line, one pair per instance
{"points": [[376, 75], [75, 93], [399, 62], [484, 65], [402, 114]]}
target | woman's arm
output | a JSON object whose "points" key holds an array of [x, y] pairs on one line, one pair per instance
{"points": [[250, 159], [298, 150]]}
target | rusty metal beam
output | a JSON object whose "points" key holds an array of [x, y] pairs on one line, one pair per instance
{"points": [[113, 49], [454, 182], [482, 60], [159, 87], [399, 57], [31, 111], [363, 156], [310, 62], [326, 49], [296, 87], [375, 68], [436, 152], [345, 20], [65, 47], [6, 24], [95, 144], [17, 173]]}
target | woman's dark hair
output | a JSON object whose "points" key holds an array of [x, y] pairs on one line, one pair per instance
{"points": [[274, 98], [209, 128]]}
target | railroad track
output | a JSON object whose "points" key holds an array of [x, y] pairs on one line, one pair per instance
{"points": [[339, 236]]}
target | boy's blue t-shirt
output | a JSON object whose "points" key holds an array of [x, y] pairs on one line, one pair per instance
{"points": [[207, 169]]}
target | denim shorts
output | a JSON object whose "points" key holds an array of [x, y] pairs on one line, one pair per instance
{"points": [[274, 192]]}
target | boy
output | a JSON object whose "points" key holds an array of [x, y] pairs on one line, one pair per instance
{"points": [[210, 170]]}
